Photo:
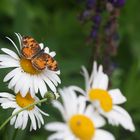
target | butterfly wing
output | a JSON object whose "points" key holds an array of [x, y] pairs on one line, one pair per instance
{"points": [[30, 47], [43, 60]]}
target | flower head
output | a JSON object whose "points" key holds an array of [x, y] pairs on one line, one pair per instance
{"points": [[17, 102], [77, 118], [104, 100], [24, 77]]}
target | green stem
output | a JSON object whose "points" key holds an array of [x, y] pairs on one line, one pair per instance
{"points": [[8, 119]]}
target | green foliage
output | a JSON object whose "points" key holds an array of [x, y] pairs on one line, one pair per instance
{"points": [[55, 23]]}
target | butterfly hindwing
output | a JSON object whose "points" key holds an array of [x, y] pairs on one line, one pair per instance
{"points": [[43, 60]]}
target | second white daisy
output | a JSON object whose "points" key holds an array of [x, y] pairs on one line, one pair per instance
{"points": [[104, 100], [80, 123]]}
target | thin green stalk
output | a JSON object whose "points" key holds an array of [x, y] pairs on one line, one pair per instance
{"points": [[8, 119]]}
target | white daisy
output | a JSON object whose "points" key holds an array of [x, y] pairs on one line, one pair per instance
{"points": [[80, 123], [18, 102], [24, 77], [104, 100]]}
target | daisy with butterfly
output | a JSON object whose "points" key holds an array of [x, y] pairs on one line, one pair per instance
{"points": [[34, 68]]}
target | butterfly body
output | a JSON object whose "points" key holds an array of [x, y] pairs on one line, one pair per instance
{"points": [[39, 58]]}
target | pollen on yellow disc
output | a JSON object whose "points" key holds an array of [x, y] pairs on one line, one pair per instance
{"points": [[27, 66], [82, 127], [103, 97], [25, 101]]}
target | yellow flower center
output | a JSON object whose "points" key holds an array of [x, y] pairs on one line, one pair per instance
{"points": [[82, 127], [103, 97], [28, 67], [25, 101]]}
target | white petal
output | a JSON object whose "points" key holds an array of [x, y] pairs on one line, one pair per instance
{"points": [[35, 81], [50, 84], [42, 112], [14, 80], [100, 81], [14, 118], [57, 136], [19, 39], [56, 126], [18, 122], [41, 45], [31, 87], [46, 50], [12, 121], [119, 116], [27, 83], [38, 119], [103, 135], [69, 101], [59, 106], [9, 63], [11, 53], [52, 54], [9, 104], [96, 118], [25, 120], [11, 74], [81, 105], [94, 72], [78, 89], [86, 76], [7, 95], [52, 76], [117, 96], [19, 84], [42, 87], [20, 119], [33, 121], [13, 44]]}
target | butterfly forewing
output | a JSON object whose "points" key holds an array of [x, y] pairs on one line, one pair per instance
{"points": [[30, 47], [43, 60]]}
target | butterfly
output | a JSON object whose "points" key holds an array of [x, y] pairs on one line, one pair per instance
{"points": [[39, 58]]}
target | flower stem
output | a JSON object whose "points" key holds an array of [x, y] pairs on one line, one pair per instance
{"points": [[8, 119]]}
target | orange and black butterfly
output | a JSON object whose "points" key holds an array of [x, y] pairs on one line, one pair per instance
{"points": [[40, 60]]}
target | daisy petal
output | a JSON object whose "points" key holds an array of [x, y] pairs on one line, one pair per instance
{"points": [[56, 126], [100, 81], [117, 96], [78, 89], [96, 118], [11, 53], [13, 44], [103, 135], [119, 116], [52, 54]]}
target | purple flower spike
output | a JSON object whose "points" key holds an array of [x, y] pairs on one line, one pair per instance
{"points": [[97, 19], [120, 3], [90, 3], [94, 33], [117, 3]]}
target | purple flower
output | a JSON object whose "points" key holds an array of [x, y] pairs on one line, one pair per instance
{"points": [[97, 19], [117, 3], [90, 3], [94, 32]]}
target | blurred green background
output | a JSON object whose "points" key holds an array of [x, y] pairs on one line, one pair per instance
{"points": [[55, 23]]}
